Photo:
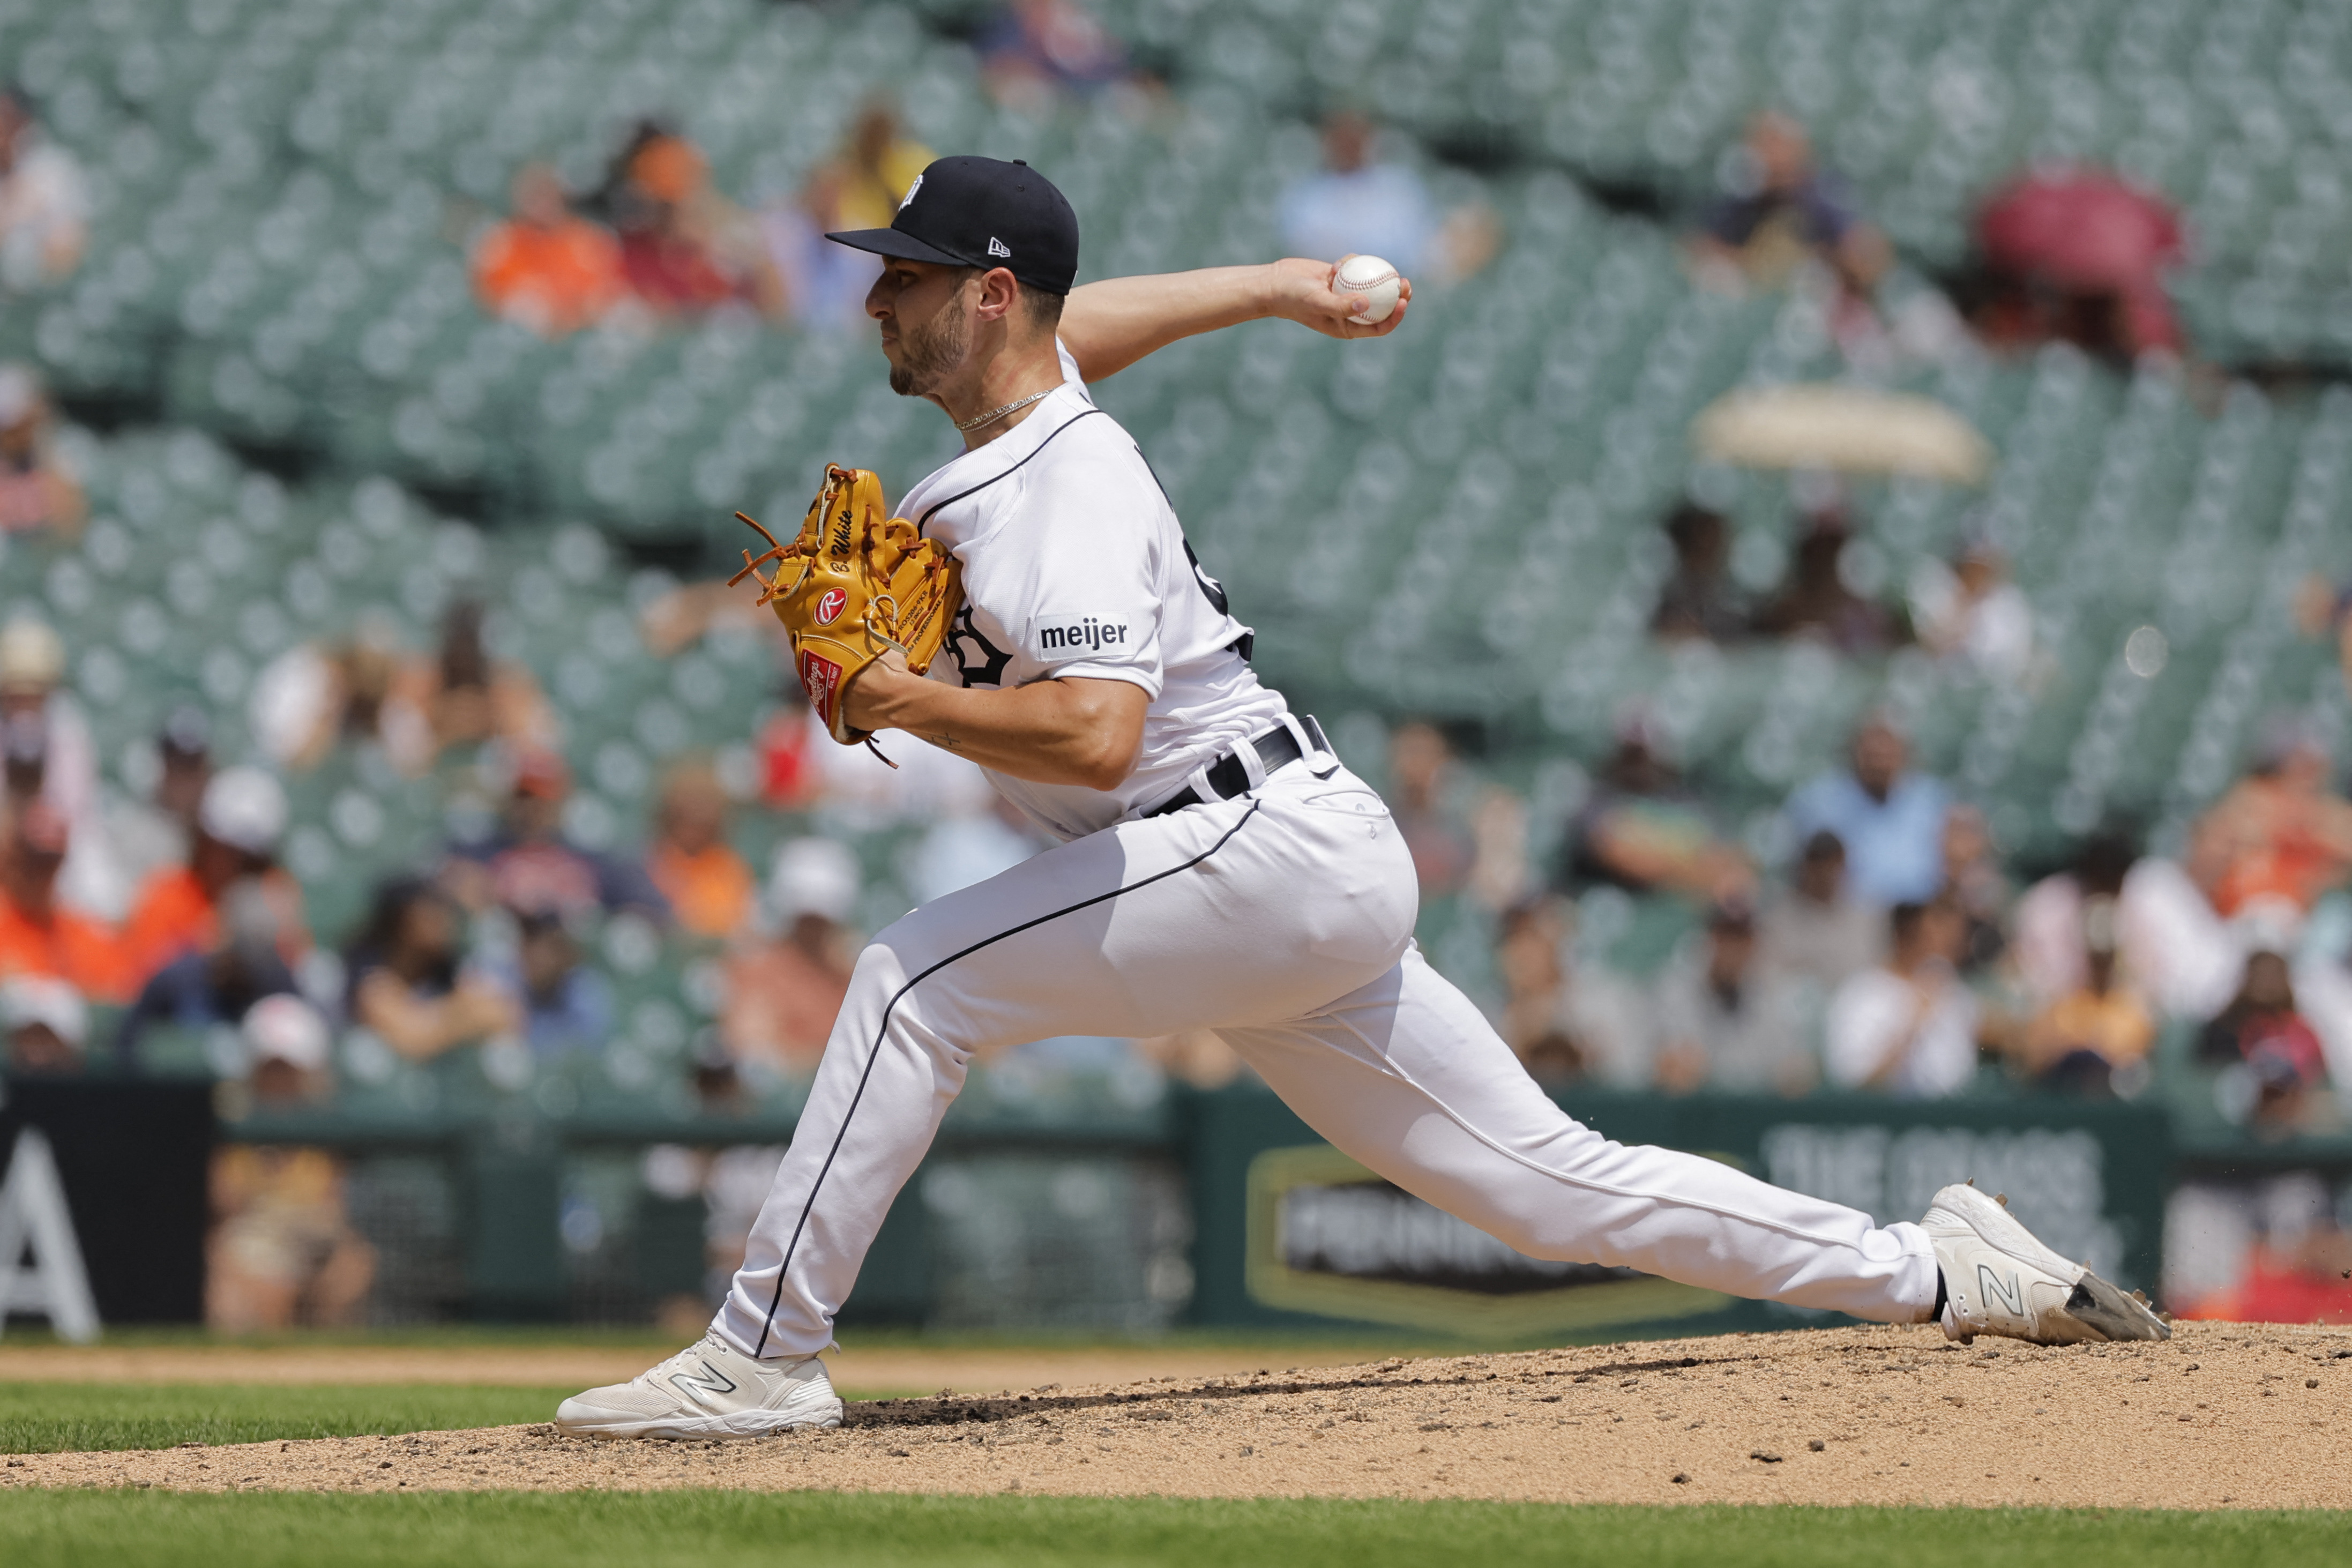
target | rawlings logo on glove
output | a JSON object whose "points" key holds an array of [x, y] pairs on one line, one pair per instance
{"points": [[853, 586]]}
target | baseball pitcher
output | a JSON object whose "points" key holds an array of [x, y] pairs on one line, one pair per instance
{"points": [[1035, 607]]}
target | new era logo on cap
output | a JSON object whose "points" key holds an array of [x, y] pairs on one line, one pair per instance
{"points": [[978, 212]]}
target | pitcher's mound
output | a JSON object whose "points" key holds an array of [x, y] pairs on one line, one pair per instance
{"points": [[2223, 1415]]}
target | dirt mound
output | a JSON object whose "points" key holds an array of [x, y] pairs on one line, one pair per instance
{"points": [[886, 1368], [2223, 1415]]}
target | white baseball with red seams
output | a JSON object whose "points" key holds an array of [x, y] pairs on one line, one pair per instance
{"points": [[1282, 919], [1376, 281]]}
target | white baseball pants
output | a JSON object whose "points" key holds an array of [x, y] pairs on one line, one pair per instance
{"points": [[1283, 921]]}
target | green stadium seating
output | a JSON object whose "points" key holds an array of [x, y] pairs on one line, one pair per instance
{"points": [[1459, 522]]}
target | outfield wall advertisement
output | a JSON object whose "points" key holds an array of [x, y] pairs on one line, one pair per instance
{"points": [[1292, 1232]]}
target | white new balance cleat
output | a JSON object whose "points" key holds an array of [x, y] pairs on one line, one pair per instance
{"points": [[1998, 1280], [709, 1390]]}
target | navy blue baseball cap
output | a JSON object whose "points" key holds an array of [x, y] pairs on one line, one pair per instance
{"points": [[978, 212]]}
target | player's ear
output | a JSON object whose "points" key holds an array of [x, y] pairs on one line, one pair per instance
{"points": [[999, 294]]}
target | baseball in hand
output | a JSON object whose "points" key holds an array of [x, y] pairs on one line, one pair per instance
{"points": [[1373, 279]]}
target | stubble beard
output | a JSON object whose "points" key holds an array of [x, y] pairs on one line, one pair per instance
{"points": [[928, 353]]}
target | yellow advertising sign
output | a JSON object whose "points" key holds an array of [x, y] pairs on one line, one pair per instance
{"points": [[1329, 1237]]}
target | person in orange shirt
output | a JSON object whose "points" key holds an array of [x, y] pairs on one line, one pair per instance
{"points": [[709, 886], [2281, 833], [545, 268], [239, 819], [2083, 1040], [784, 989], [40, 936]]}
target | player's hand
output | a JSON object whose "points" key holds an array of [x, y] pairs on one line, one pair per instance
{"points": [[865, 705], [1301, 291]]}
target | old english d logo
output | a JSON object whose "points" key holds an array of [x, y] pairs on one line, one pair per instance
{"points": [[829, 605]]}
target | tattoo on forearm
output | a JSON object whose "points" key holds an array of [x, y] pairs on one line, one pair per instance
{"points": [[944, 740]]}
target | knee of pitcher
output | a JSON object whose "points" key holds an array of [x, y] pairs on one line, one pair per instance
{"points": [[881, 998]]}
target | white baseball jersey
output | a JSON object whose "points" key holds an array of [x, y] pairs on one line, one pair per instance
{"points": [[1074, 564]]}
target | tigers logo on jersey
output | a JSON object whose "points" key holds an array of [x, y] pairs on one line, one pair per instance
{"points": [[977, 660]]}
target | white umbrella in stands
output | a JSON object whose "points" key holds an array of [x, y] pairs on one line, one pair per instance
{"points": [[1853, 429]]}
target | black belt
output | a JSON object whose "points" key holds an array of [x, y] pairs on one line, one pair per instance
{"points": [[1229, 776]]}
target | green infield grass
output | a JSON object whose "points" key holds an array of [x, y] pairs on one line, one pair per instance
{"points": [[61, 1417], [714, 1530]]}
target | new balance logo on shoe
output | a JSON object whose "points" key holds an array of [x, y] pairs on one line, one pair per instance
{"points": [[997, 247], [713, 1383], [2013, 1297]]}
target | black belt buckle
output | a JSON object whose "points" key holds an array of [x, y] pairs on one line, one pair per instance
{"points": [[1229, 775]]}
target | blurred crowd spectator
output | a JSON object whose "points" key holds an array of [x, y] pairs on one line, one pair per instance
{"points": [[1781, 220], [37, 490], [1032, 52], [366, 689], [1727, 1019], [40, 934], [787, 976], [659, 241], [1908, 1024], [1889, 817], [2097, 1029], [563, 1004], [240, 818], [527, 862], [546, 268], [1816, 600], [1568, 1019], [44, 1024], [45, 203], [283, 1252], [1642, 829], [685, 248], [1360, 205], [220, 982], [1700, 601], [1779, 210], [2265, 1038], [408, 984], [2078, 254], [1969, 611], [1816, 928], [1893, 952], [2281, 836], [860, 186], [704, 882]]}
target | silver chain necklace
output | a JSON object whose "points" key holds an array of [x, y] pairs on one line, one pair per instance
{"points": [[965, 426]]}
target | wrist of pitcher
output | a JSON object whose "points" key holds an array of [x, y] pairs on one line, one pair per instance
{"points": [[876, 698]]}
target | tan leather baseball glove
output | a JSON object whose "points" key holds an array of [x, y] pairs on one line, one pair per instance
{"points": [[853, 586]]}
